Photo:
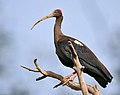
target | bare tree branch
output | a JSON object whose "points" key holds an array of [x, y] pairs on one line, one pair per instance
{"points": [[73, 85], [79, 70]]}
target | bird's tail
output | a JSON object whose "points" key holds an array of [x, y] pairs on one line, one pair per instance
{"points": [[102, 78]]}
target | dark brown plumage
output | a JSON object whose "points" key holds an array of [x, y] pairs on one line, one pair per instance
{"points": [[87, 58]]}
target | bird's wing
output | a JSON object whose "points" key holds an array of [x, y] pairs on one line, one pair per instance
{"points": [[83, 51], [85, 55], [88, 58]]}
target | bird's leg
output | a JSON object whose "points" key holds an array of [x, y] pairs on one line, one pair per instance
{"points": [[67, 79], [72, 75], [68, 76]]}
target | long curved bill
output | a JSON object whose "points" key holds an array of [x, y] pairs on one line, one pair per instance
{"points": [[46, 17]]}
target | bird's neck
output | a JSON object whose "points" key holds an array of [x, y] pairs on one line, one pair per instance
{"points": [[57, 29]]}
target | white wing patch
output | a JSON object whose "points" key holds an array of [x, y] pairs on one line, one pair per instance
{"points": [[79, 43]]}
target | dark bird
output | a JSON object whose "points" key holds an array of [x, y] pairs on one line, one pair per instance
{"points": [[87, 58]]}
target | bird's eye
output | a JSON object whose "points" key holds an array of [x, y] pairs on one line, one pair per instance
{"points": [[56, 11]]}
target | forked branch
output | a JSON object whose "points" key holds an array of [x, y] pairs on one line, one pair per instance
{"points": [[78, 69], [73, 85]]}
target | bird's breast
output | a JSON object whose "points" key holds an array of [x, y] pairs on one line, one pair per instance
{"points": [[64, 60]]}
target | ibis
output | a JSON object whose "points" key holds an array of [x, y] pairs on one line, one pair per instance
{"points": [[87, 58]]}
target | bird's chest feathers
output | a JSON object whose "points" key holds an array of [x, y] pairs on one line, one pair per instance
{"points": [[64, 56], [62, 51]]}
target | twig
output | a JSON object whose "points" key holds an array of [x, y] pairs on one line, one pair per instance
{"points": [[73, 85], [29, 69]]}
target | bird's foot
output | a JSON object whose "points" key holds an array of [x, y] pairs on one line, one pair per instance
{"points": [[65, 81], [68, 78]]}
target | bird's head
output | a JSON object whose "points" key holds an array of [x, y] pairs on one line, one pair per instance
{"points": [[56, 13]]}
